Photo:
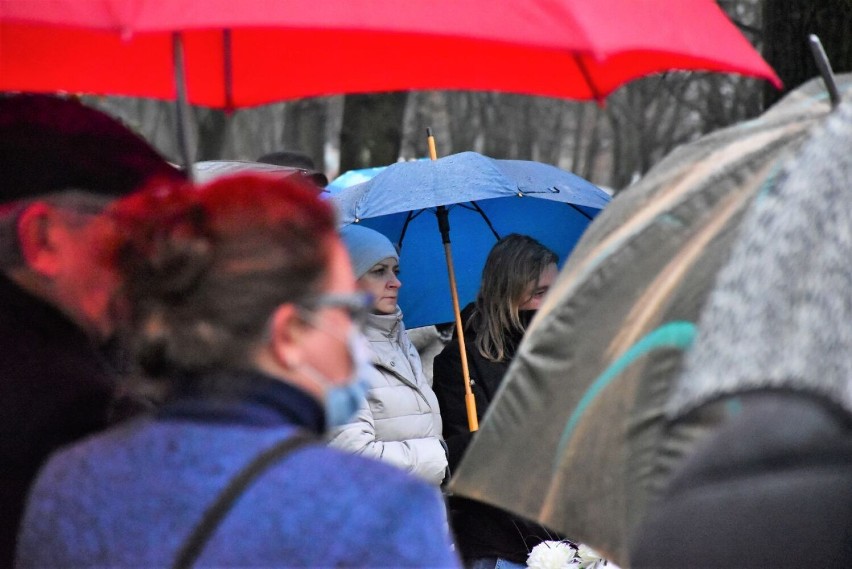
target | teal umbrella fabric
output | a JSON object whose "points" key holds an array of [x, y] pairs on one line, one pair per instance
{"points": [[484, 199]]}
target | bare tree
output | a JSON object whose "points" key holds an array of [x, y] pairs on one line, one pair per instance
{"points": [[371, 134], [611, 145], [787, 26], [212, 127], [305, 128], [431, 109]]}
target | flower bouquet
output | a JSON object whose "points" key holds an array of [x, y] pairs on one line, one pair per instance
{"points": [[566, 555]]}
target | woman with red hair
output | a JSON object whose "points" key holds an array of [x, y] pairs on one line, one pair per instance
{"points": [[239, 298]]}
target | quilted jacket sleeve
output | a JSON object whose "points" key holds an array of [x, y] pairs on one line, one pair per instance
{"points": [[424, 457]]}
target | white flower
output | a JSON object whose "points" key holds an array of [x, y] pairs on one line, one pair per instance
{"points": [[588, 558], [587, 554], [552, 555]]}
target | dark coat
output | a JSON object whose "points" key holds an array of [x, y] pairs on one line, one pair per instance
{"points": [[480, 530], [130, 496], [773, 488], [55, 387]]}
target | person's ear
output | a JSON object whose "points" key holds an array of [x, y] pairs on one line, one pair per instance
{"points": [[286, 335], [37, 236]]}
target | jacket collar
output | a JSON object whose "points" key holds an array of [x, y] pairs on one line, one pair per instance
{"points": [[244, 397], [383, 326], [24, 316], [24, 308]]}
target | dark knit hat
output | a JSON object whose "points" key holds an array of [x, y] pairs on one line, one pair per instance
{"points": [[49, 144]]}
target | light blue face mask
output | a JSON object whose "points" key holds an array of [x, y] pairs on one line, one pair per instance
{"points": [[342, 401]]}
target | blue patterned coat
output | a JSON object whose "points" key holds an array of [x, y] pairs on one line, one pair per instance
{"points": [[130, 496]]}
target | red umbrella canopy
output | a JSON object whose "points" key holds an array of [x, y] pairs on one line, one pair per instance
{"points": [[252, 52]]}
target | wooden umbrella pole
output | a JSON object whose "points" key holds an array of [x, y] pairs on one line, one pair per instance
{"points": [[430, 140], [444, 227], [469, 400]]}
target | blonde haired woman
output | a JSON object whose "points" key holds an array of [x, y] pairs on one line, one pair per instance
{"points": [[517, 275]]}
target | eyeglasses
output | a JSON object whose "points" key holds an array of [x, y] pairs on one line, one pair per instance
{"points": [[357, 304]]}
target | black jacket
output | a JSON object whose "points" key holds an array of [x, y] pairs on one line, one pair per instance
{"points": [[54, 388], [771, 488], [481, 530]]}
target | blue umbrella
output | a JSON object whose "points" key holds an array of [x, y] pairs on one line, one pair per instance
{"points": [[484, 199], [352, 177]]}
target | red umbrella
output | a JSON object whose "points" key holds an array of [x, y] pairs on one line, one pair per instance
{"points": [[251, 52]]}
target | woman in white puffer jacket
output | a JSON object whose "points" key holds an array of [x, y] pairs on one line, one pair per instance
{"points": [[400, 422]]}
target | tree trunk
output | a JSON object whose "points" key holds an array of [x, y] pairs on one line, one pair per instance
{"points": [[428, 109], [304, 129], [212, 129], [588, 170], [371, 134], [787, 24]]}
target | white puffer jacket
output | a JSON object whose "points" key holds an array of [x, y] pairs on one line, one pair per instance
{"points": [[400, 422]]}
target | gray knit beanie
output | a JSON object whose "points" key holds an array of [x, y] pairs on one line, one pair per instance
{"points": [[366, 247]]}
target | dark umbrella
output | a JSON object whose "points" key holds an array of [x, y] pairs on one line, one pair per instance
{"points": [[577, 438]]}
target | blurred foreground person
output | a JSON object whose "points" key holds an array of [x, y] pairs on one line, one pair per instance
{"points": [[517, 275], [60, 163], [241, 298], [772, 487], [400, 423]]}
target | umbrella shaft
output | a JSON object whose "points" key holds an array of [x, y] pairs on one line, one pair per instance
{"points": [[470, 402], [181, 104]]}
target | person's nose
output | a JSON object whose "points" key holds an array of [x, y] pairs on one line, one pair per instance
{"points": [[394, 282]]}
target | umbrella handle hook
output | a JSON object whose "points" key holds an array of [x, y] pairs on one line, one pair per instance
{"points": [[824, 66]]}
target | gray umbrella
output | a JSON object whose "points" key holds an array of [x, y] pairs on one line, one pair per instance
{"points": [[578, 437], [780, 315]]}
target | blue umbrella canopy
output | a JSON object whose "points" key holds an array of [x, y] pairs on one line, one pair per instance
{"points": [[485, 199], [352, 177]]}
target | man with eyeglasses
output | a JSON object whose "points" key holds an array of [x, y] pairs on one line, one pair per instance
{"points": [[60, 163]]}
